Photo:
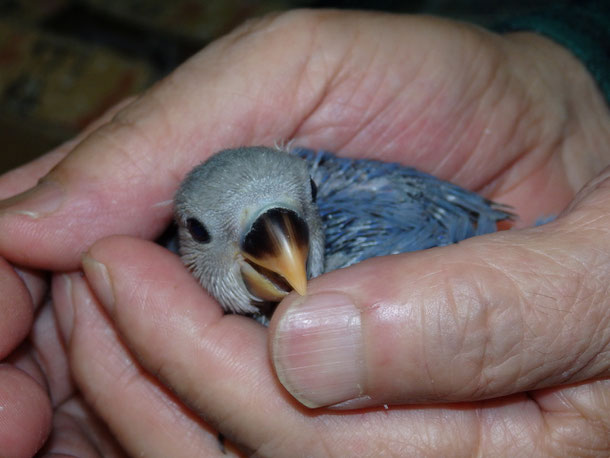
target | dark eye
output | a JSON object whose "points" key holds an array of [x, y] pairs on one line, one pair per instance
{"points": [[314, 190], [197, 230]]}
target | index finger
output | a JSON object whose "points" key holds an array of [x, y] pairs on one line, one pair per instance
{"points": [[306, 76], [121, 178]]}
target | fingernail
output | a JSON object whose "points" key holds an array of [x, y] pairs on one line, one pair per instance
{"points": [[64, 305], [41, 200], [318, 350], [99, 279]]}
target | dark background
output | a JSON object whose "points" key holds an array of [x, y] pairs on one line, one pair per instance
{"points": [[64, 62]]}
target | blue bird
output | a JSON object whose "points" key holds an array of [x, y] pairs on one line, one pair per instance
{"points": [[255, 223]]}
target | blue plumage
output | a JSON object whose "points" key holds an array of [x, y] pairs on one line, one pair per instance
{"points": [[371, 208]]}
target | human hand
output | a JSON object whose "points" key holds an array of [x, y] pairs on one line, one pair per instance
{"points": [[33, 393], [510, 123], [46, 402], [219, 366], [25, 409], [487, 112], [37, 397]]}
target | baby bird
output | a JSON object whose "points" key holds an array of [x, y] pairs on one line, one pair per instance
{"points": [[255, 223]]}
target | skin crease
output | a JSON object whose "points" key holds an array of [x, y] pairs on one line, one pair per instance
{"points": [[516, 117]]}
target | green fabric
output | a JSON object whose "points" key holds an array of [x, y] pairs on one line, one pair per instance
{"points": [[582, 27]]}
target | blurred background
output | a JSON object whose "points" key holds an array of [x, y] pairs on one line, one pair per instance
{"points": [[64, 62]]}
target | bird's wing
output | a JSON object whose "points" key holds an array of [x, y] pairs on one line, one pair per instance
{"points": [[371, 208]]}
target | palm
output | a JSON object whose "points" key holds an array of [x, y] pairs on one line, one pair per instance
{"points": [[457, 111], [457, 107]]}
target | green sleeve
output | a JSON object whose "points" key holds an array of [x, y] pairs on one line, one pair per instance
{"points": [[582, 27]]}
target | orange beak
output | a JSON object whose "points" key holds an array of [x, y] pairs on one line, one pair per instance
{"points": [[275, 252]]}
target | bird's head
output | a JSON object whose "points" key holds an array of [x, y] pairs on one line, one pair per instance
{"points": [[249, 227]]}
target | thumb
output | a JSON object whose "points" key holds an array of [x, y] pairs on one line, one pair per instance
{"points": [[493, 315]]}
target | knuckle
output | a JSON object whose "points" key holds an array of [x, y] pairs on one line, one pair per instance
{"points": [[273, 26]]}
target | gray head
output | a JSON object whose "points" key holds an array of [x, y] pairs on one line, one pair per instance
{"points": [[249, 227]]}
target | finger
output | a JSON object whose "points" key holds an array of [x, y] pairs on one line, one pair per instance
{"points": [[78, 432], [105, 185], [579, 415], [36, 283], [16, 309], [25, 414], [150, 294], [144, 417], [219, 366], [44, 357], [26, 176], [24, 180], [491, 316]]}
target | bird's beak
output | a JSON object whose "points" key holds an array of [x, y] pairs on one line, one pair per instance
{"points": [[275, 252]]}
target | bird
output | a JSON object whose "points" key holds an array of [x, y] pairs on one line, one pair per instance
{"points": [[257, 222]]}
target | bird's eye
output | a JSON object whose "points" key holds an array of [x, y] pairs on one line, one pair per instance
{"points": [[197, 230], [314, 190]]}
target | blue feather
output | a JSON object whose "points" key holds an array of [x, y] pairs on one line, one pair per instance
{"points": [[372, 208]]}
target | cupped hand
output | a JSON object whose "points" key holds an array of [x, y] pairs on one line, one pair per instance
{"points": [[31, 396], [459, 377], [25, 408], [40, 410], [514, 314], [39, 406], [491, 113]]}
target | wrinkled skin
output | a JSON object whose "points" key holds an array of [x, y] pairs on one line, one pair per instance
{"points": [[521, 314]]}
